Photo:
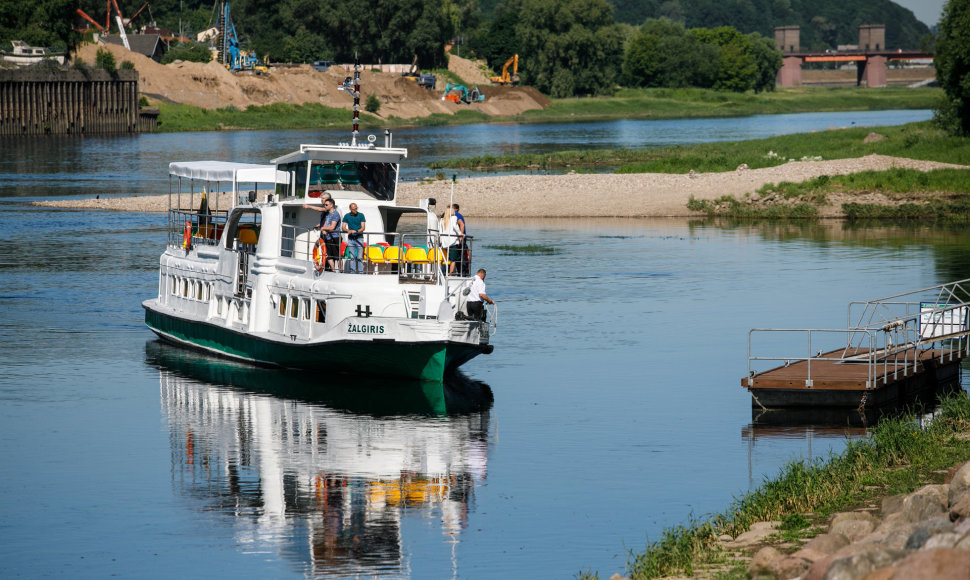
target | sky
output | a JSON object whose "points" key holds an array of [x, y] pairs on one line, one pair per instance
{"points": [[928, 11]]}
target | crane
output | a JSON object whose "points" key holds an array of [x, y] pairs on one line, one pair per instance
{"points": [[505, 78], [118, 18]]}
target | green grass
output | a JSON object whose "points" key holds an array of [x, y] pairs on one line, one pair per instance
{"points": [[946, 193], [626, 104], [174, 117], [688, 103], [524, 249], [898, 456], [915, 140]]}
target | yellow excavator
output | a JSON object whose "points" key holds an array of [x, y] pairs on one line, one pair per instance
{"points": [[506, 78]]}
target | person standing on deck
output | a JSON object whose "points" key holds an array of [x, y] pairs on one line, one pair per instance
{"points": [[476, 309], [460, 245], [330, 232], [354, 225]]}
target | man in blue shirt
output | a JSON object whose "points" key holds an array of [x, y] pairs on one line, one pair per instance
{"points": [[463, 262], [354, 225]]}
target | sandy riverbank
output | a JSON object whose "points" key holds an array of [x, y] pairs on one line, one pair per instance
{"points": [[591, 195]]}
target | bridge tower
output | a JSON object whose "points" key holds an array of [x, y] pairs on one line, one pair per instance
{"points": [[872, 71], [787, 41]]}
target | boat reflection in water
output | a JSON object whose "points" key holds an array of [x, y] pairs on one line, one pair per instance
{"points": [[323, 469]]}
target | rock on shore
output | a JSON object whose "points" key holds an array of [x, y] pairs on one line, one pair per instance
{"points": [[916, 536], [587, 195]]}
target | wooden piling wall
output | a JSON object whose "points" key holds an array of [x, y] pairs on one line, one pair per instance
{"points": [[80, 102]]}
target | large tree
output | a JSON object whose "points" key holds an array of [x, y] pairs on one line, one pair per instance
{"points": [[573, 47], [953, 66], [497, 39], [39, 23], [663, 54], [768, 60], [824, 23]]}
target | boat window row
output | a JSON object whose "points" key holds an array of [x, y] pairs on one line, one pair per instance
{"points": [[301, 308], [197, 290]]}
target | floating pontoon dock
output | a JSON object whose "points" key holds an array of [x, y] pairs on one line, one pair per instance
{"points": [[892, 350]]}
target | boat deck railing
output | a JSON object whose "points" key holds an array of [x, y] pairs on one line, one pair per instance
{"points": [[413, 257], [204, 229], [891, 335]]}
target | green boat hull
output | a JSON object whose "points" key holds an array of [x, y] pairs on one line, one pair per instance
{"points": [[417, 360]]}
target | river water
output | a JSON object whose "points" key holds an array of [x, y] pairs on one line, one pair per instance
{"points": [[616, 381]]}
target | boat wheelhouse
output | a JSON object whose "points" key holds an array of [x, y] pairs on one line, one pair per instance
{"points": [[249, 282]]}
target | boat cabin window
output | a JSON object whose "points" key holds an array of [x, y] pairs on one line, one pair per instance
{"points": [[376, 179], [298, 180], [244, 225]]}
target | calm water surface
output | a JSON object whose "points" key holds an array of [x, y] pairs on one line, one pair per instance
{"points": [[67, 166], [617, 407]]}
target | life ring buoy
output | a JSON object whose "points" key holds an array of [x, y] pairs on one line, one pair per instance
{"points": [[187, 236], [319, 254]]}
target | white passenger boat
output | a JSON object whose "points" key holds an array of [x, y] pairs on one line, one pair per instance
{"points": [[248, 282]]}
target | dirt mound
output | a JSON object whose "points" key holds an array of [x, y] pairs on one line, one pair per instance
{"points": [[471, 71], [211, 86]]}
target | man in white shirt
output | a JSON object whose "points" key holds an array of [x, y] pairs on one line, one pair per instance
{"points": [[476, 309]]}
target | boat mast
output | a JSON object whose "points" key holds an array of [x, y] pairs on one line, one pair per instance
{"points": [[353, 140]]}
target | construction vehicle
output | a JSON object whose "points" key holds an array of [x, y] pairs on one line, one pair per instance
{"points": [[461, 94], [230, 54], [412, 72], [506, 78], [427, 81]]}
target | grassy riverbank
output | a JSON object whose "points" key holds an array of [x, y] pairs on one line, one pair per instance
{"points": [[914, 140], [942, 195], [626, 104], [690, 103], [904, 194], [898, 456]]}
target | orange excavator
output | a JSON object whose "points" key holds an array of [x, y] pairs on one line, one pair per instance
{"points": [[505, 78]]}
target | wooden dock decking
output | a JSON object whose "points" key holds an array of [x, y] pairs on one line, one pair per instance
{"points": [[848, 369], [893, 350], [837, 381]]}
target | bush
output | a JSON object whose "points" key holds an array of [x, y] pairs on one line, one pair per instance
{"points": [[127, 65], [191, 52], [105, 60], [373, 104]]}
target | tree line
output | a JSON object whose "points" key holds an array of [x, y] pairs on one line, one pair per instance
{"points": [[566, 47]]}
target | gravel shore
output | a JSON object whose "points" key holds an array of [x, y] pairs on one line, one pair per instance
{"points": [[589, 195]]}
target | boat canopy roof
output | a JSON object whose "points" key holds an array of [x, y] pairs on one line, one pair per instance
{"points": [[226, 171], [363, 153]]}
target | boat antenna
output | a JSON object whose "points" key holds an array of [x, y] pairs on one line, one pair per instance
{"points": [[353, 140], [454, 178]]}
